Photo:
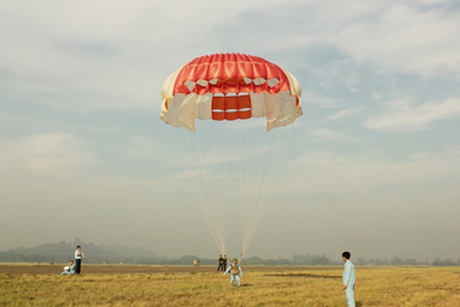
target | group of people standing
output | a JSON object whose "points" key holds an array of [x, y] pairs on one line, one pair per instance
{"points": [[349, 278], [235, 271], [74, 267], [222, 263]]}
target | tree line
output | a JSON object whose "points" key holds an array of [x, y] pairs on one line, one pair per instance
{"points": [[63, 251]]}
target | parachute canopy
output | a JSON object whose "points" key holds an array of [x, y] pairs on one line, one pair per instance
{"points": [[230, 86]]}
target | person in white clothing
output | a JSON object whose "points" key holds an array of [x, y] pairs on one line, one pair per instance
{"points": [[349, 279], [78, 257]]}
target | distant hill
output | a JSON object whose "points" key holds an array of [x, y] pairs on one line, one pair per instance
{"points": [[64, 251]]}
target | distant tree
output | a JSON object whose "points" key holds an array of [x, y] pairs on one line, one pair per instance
{"points": [[188, 259], [63, 251], [254, 261], [396, 261], [309, 259], [445, 262]]}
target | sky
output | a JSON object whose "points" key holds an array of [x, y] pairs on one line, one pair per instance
{"points": [[372, 166]]}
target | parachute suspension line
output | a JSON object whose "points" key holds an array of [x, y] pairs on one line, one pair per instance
{"points": [[253, 185], [265, 175], [244, 166], [255, 192], [212, 211], [215, 166], [213, 172], [246, 174], [191, 158]]}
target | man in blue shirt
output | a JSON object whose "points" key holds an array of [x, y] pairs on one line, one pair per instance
{"points": [[235, 272], [349, 279]]}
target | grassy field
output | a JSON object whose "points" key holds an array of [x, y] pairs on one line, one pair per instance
{"points": [[266, 286]]}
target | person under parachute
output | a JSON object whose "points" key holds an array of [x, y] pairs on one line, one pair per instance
{"points": [[235, 271]]}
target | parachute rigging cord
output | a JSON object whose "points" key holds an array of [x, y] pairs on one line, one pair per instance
{"points": [[191, 155], [232, 172], [264, 177]]}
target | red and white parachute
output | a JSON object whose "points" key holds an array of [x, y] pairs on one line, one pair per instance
{"points": [[230, 86], [230, 160]]}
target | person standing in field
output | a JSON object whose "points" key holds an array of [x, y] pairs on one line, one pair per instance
{"points": [[220, 264], [224, 263], [78, 257], [349, 279], [235, 272]]}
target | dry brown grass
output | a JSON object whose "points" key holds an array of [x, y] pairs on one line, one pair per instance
{"points": [[307, 286]]}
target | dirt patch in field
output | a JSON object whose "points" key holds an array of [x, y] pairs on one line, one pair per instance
{"points": [[31, 269], [303, 275]]}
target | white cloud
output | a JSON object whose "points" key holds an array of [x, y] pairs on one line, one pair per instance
{"points": [[324, 134], [331, 173], [53, 155], [402, 116], [346, 112], [406, 39], [104, 54], [320, 159], [141, 148]]}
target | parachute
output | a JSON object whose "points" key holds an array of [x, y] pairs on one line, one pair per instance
{"points": [[222, 98]]}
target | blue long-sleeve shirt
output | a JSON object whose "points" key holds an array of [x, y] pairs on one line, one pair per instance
{"points": [[240, 271], [348, 273]]}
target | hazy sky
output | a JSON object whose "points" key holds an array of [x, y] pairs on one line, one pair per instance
{"points": [[374, 162]]}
